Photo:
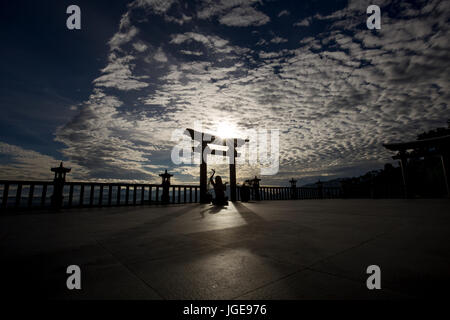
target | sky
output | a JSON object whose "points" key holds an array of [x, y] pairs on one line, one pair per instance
{"points": [[106, 99]]}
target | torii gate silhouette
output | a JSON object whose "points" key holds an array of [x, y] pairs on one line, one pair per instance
{"points": [[204, 139]]}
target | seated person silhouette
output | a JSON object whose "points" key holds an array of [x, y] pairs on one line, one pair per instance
{"points": [[219, 189]]}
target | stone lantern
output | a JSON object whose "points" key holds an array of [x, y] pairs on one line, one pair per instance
{"points": [[165, 186], [58, 185]]}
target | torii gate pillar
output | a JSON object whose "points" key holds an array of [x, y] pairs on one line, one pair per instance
{"points": [[203, 177], [233, 174]]}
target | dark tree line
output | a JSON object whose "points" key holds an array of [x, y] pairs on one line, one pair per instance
{"points": [[425, 176]]}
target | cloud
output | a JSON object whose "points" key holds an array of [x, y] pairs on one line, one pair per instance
{"points": [[181, 21], [278, 40], [303, 23], [109, 143], [336, 97], [213, 8], [156, 6], [283, 13], [244, 17], [121, 38], [140, 46], [191, 53], [238, 13], [17, 163], [118, 74], [208, 41], [261, 42], [160, 56]]}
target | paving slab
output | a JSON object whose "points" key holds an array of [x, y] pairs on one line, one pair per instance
{"points": [[217, 274], [312, 285], [305, 249]]}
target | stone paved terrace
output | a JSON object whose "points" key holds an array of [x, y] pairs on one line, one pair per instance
{"points": [[311, 249]]}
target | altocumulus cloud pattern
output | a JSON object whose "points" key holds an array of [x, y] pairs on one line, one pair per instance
{"points": [[335, 89]]}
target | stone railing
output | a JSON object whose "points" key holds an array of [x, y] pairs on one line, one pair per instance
{"points": [[38, 194]]}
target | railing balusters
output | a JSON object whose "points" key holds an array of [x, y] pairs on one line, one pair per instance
{"points": [[265, 193], [91, 195], [69, 204], [30, 196], [150, 195], [173, 194], [18, 195], [81, 195], [118, 195], [110, 194], [44, 195], [5, 195], [100, 196]]}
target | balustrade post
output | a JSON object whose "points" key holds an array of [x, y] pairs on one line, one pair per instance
{"points": [[5, 195], [30, 196], [109, 195], [100, 196], [70, 195], [18, 195]]}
